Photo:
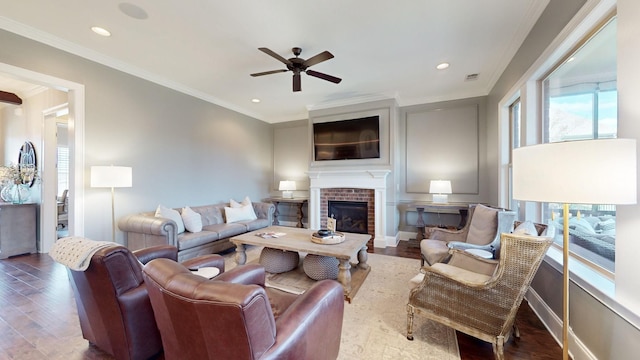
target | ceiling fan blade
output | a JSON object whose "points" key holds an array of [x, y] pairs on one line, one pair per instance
{"points": [[323, 56], [10, 98], [269, 72], [323, 76], [274, 55], [297, 86]]}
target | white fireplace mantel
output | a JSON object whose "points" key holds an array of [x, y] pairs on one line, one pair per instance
{"points": [[358, 179]]}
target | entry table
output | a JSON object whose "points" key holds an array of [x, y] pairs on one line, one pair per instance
{"points": [[298, 201]]}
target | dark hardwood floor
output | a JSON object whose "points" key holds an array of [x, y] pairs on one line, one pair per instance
{"points": [[535, 342], [38, 318]]}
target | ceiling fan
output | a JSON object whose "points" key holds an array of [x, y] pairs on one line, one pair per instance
{"points": [[298, 65]]}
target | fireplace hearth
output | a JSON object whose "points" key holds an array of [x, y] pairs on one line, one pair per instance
{"points": [[351, 216]]}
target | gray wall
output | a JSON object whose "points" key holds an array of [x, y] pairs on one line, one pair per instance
{"points": [[183, 151]]}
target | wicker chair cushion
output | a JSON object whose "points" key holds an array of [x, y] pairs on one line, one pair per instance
{"points": [[462, 275], [278, 261], [434, 251], [483, 227], [320, 267]]}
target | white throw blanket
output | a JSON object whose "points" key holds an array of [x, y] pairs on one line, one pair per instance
{"points": [[75, 252]]}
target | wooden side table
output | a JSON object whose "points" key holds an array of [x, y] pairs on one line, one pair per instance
{"points": [[298, 201]]}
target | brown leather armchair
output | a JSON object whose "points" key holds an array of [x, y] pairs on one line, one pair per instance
{"points": [[113, 304], [235, 317]]}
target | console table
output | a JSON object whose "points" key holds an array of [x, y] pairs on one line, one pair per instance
{"points": [[298, 201], [17, 229], [438, 208]]}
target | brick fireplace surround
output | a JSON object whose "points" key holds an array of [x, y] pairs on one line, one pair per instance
{"points": [[344, 194], [353, 185]]}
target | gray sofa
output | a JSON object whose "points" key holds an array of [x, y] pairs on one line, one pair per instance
{"points": [[144, 230]]}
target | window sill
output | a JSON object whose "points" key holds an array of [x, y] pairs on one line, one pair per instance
{"points": [[594, 283]]}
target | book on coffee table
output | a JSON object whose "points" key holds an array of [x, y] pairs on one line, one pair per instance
{"points": [[267, 235]]}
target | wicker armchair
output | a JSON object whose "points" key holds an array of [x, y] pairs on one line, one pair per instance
{"points": [[477, 296], [482, 231]]}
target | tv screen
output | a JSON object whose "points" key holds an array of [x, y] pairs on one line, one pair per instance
{"points": [[347, 139]]}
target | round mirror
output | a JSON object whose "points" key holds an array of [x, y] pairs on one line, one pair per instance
{"points": [[28, 163]]}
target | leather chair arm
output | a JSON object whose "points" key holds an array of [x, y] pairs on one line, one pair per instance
{"points": [[245, 274], [160, 251], [318, 337], [213, 260]]}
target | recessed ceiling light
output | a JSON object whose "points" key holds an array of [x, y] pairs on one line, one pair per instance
{"points": [[100, 31], [442, 66], [255, 100]]}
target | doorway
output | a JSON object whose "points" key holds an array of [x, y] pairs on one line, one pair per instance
{"points": [[48, 172]]}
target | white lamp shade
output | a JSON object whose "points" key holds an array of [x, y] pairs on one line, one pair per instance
{"points": [[287, 185], [599, 171], [440, 187], [111, 176]]}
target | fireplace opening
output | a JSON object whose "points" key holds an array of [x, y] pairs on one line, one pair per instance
{"points": [[351, 216]]}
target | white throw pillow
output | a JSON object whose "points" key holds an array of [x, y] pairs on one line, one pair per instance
{"points": [[192, 220], [239, 213], [245, 203], [235, 204], [174, 215], [526, 228]]}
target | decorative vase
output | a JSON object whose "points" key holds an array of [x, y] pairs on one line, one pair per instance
{"points": [[20, 193]]}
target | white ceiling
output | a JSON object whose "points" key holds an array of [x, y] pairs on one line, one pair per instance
{"points": [[382, 49]]}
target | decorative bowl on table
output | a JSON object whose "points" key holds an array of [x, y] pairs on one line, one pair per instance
{"points": [[327, 237]]}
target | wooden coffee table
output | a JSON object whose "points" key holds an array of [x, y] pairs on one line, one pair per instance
{"points": [[296, 239]]}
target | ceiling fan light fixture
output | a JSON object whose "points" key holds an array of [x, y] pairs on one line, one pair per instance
{"points": [[442, 66], [101, 31]]}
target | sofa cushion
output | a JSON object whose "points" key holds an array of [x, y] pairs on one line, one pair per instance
{"points": [[188, 240], [255, 224], [192, 220], [484, 225], [172, 214], [226, 230]]}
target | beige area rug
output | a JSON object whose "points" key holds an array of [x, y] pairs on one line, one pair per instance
{"points": [[375, 322]]}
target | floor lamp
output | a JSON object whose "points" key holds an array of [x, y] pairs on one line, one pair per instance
{"points": [[599, 171], [111, 177]]}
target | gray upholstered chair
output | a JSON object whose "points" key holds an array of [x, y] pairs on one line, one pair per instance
{"points": [[482, 231], [477, 296]]}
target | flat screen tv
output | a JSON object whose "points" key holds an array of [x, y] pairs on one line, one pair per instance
{"points": [[347, 139]]}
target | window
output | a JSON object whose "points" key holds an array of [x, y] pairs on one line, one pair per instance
{"points": [[580, 102], [514, 143], [63, 169]]}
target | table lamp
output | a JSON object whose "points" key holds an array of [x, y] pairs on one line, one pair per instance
{"points": [[111, 177], [440, 190], [287, 187], [601, 171]]}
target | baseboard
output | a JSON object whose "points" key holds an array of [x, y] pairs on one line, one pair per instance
{"points": [[577, 349], [406, 235]]}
